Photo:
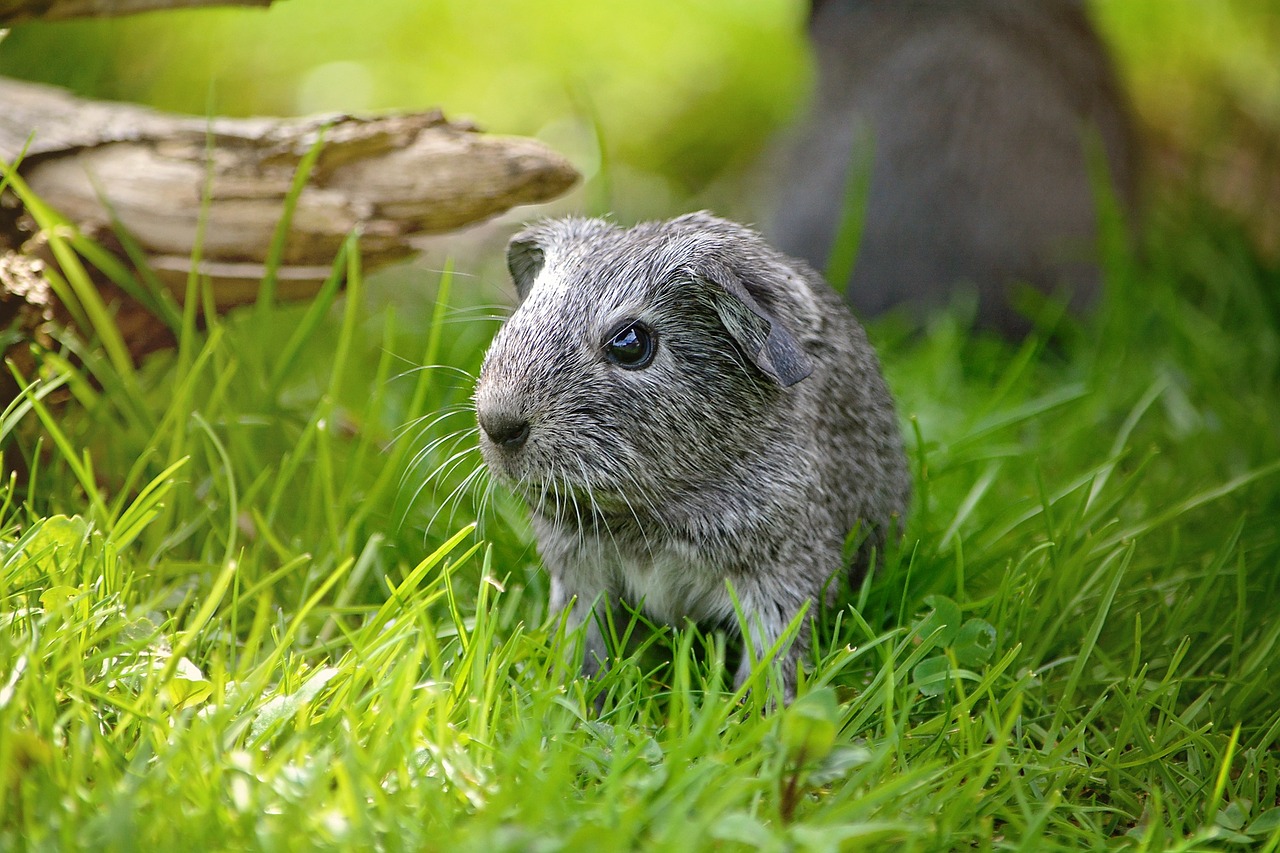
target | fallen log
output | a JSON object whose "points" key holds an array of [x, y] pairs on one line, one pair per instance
{"points": [[390, 178]]}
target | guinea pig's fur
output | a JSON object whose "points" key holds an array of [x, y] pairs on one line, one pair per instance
{"points": [[758, 437]]}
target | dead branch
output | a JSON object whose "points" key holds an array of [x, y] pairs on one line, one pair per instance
{"points": [[392, 177]]}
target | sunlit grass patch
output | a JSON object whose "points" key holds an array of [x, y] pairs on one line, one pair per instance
{"points": [[243, 603]]}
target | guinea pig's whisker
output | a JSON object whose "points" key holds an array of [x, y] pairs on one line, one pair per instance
{"points": [[429, 420], [472, 319], [448, 467], [613, 473], [454, 438], [423, 455], [597, 515], [639, 493], [459, 312], [640, 525], [570, 502], [450, 501], [641, 528], [467, 486], [436, 476], [548, 485], [417, 368], [485, 504], [442, 471], [569, 499]]}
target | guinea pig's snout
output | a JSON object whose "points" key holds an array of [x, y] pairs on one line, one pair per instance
{"points": [[505, 429]]}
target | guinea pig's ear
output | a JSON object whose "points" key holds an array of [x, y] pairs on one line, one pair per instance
{"points": [[766, 341], [525, 257]]}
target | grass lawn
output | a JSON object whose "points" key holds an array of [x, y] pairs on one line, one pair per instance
{"points": [[244, 604]]}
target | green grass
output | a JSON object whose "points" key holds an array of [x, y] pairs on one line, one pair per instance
{"points": [[237, 613]]}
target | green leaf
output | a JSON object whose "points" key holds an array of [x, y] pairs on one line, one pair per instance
{"points": [[1219, 833], [1266, 823], [943, 621], [975, 642], [57, 596], [931, 676], [1233, 815], [59, 536], [744, 829], [188, 686], [281, 708], [810, 724], [832, 839], [842, 758]]}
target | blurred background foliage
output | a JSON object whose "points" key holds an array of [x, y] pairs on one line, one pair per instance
{"points": [[660, 103], [678, 91], [1204, 80]]}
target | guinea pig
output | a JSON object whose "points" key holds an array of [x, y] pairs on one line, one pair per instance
{"points": [[683, 408]]}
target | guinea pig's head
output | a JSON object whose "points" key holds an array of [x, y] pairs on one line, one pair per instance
{"points": [[640, 362]]}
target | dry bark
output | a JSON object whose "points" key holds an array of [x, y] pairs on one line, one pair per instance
{"points": [[390, 178]]}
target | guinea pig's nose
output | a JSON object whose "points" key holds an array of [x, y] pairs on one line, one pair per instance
{"points": [[504, 429]]}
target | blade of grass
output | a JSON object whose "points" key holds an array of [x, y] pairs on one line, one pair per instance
{"points": [[306, 329], [853, 212], [275, 252], [79, 465], [1122, 557], [75, 286]]}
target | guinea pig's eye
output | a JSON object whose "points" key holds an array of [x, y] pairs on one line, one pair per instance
{"points": [[631, 345]]}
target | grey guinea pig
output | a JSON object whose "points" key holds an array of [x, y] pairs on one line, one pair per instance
{"points": [[682, 406]]}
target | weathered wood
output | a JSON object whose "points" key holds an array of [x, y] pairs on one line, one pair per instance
{"points": [[17, 11], [391, 177], [104, 165], [28, 313]]}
